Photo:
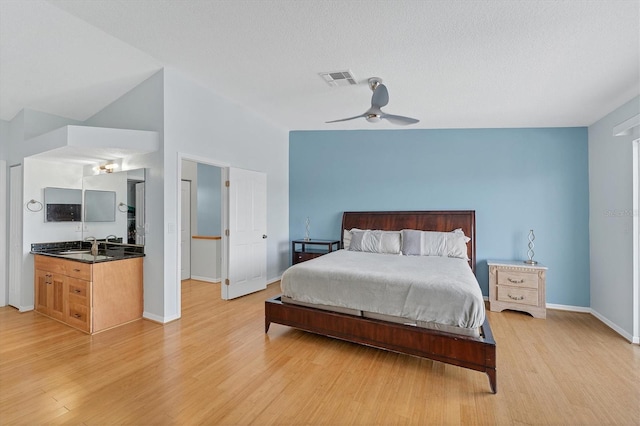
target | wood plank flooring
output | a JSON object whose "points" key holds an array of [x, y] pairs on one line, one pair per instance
{"points": [[217, 366]]}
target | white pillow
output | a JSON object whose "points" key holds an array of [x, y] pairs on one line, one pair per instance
{"points": [[457, 244], [346, 237], [374, 241], [431, 243]]}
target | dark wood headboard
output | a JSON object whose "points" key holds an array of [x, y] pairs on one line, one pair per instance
{"points": [[442, 221]]}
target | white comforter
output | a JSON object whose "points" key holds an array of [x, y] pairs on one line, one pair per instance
{"points": [[421, 288]]}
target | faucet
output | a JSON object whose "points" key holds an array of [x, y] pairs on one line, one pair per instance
{"points": [[106, 240], [94, 245]]}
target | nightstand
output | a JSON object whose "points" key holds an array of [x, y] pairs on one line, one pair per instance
{"points": [[302, 250], [517, 285]]}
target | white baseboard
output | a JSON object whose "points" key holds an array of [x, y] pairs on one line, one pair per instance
{"points": [[158, 318], [274, 280], [570, 308], [26, 308], [605, 320], [586, 310], [206, 279], [615, 327]]}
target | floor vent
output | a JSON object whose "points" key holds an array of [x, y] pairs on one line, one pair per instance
{"points": [[338, 78]]}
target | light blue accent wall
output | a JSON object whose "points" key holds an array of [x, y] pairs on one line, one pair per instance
{"points": [[515, 180], [209, 202]]}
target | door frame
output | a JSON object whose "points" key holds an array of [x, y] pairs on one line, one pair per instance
{"points": [[16, 198], [4, 241], [188, 241], [224, 199], [636, 242]]}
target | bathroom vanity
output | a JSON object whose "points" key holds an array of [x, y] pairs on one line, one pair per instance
{"points": [[87, 292]]}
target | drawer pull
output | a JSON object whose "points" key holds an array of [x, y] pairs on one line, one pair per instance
{"points": [[77, 291], [515, 297], [520, 281], [76, 270], [77, 315]]}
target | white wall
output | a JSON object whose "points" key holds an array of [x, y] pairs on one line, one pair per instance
{"points": [[201, 124], [611, 219], [142, 108], [14, 137], [205, 260], [36, 123], [4, 218], [5, 138], [39, 174]]}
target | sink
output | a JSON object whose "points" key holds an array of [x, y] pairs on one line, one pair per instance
{"points": [[85, 256]]}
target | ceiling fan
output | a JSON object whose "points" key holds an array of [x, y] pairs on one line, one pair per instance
{"points": [[379, 99]]}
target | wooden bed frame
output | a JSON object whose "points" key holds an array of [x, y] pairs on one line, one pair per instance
{"points": [[475, 353]]}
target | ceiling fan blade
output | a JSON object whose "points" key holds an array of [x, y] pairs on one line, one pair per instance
{"points": [[380, 96], [346, 119], [399, 119]]}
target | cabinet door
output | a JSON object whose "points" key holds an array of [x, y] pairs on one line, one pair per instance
{"points": [[42, 281], [50, 294], [56, 296]]}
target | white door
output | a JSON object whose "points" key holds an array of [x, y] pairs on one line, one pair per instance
{"points": [[247, 239], [15, 236], [185, 230], [140, 228]]}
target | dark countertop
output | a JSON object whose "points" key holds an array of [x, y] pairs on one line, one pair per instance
{"points": [[79, 251]]}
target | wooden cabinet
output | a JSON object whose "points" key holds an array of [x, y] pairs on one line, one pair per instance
{"points": [[89, 297], [50, 294], [518, 286], [303, 250], [78, 312]]}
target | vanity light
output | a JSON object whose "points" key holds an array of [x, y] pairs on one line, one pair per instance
{"points": [[108, 168]]}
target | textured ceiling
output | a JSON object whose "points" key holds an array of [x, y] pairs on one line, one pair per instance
{"points": [[451, 64]]}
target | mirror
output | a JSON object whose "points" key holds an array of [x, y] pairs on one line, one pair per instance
{"points": [[99, 206], [114, 205]]}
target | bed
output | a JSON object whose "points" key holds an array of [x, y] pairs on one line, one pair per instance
{"points": [[476, 352]]}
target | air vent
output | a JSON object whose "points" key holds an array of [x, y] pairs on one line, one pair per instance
{"points": [[338, 78]]}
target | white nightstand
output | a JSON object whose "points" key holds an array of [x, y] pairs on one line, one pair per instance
{"points": [[516, 285]]}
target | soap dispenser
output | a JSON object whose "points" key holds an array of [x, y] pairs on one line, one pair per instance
{"points": [[94, 245]]}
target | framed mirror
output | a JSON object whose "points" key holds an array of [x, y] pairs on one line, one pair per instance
{"points": [[100, 206], [128, 206]]}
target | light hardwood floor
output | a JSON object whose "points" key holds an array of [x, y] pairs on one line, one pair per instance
{"points": [[217, 366]]}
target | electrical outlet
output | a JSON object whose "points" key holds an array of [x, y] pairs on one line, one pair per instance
{"points": [[79, 227]]}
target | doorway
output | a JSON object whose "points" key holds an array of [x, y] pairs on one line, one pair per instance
{"points": [[244, 270], [201, 222]]}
